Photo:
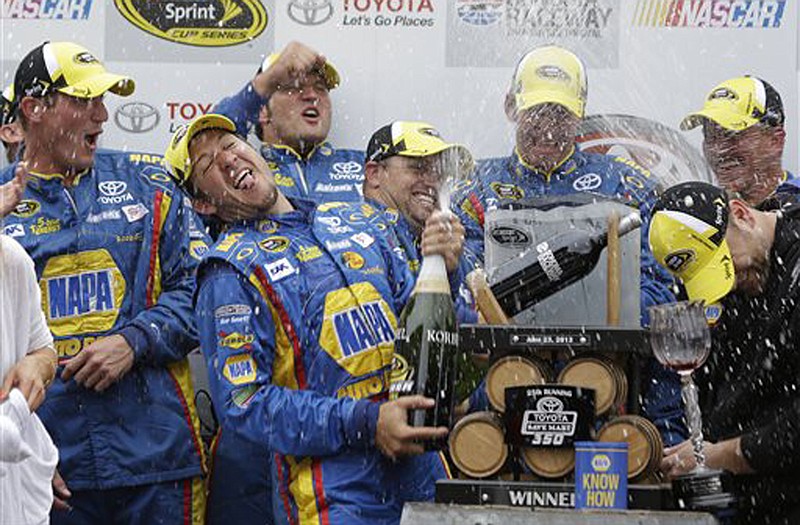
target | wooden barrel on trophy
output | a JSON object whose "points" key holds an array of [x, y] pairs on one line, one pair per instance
{"points": [[477, 445], [549, 463], [602, 375], [645, 448], [510, 371]]}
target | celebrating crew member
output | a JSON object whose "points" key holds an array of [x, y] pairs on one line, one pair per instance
{"points": [[110, 238], [749, 260], [406, 167], [297, 307], [546, 101], [289, 105], [743, 139]]}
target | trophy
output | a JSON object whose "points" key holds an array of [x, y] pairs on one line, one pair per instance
{"points": [[680, 339]]}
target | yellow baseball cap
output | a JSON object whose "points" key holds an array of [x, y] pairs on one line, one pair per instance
{"points": [[329, 73], [687, 237], [177, 154], [739, 103], [68, 68], [550, 74], [413, 139]]}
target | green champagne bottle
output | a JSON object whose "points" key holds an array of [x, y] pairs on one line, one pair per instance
{"points": [[426, 347]]}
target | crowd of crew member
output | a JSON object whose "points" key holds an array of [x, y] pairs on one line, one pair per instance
{"points": [[289, 265]]}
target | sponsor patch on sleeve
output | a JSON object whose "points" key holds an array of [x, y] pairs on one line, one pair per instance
{"points": [[240, 369]]}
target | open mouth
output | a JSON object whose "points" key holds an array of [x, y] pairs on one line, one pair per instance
{"points": [[91, 139], [311, 113], [244, 180], [426, 198]]}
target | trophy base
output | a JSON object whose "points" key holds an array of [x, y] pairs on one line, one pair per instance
{"points": [[703, 490]]}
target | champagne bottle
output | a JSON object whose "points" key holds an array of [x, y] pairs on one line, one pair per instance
{"points": [[426, 347], [555, 264]]}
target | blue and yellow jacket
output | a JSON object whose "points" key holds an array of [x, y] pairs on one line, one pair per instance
{"points": [[326, 174], [297, 315], [115, 253], [505, 180]]}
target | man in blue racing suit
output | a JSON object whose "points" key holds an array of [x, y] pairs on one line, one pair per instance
{"points": [[297, 307], [546, 101], [115, 255], [289, 106], [405, 175]]}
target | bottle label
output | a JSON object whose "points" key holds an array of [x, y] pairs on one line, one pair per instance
{"points": [[442, 337], [549, 262]]}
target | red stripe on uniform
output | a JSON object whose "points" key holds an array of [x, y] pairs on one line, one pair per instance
{"points": [[187, 415], [299, 369], [150, 300], [282, 488], [322, 503], [187, 502], [476, 203]]}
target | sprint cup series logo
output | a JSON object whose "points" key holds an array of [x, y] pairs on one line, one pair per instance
{"points": [[208, 23]]}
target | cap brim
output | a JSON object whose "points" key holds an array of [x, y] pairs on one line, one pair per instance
{"points": [[177, 154], [99, 84], [529, 100], [465, 156], [332, 78], [723, 117], [715, 280]]}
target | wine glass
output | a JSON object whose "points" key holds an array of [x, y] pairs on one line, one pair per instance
{"points": [[680, 339]]}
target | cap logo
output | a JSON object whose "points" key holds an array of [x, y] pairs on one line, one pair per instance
{"points": [[676, 261], [723, 92], [430, 131], [85, 58], [179, 134], [552, 73]]}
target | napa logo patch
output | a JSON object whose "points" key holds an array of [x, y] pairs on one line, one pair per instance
{"points": [[198, 249], [26, 208], [362, 328], [208, 23], [82, 292], [240, 369], [358, 334], [275, 244], [236, 340]]}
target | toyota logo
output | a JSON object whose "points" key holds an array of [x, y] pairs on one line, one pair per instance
{"points": [[587, 182], [549, 404], [347, 168], [136, 117], [112, 188], [310, 12]]}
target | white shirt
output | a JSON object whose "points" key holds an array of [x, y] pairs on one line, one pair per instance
{"points": [[27, 455]]}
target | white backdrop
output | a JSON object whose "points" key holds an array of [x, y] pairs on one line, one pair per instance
{"points": [[445, 61]]}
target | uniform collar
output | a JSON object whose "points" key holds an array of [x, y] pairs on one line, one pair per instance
{"points": [[392, 216], [281, 151], [521, 168]]}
